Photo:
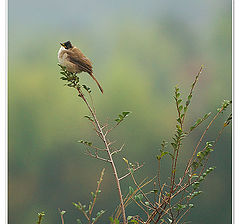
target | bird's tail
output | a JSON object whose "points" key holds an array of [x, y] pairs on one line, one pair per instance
{"points": [[99, 86]]}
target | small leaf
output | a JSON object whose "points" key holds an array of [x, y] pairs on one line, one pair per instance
{"points": [[125, 160], [129, 217], [180, 108], [125, 113], [62, 212], [89, 118], [179, 121], [87, 88], [131, 190], [190, 97], [138, 197], [79, 221], [179, 101]]}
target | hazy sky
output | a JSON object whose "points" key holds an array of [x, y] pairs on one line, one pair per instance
{"points": [[57, 14]]}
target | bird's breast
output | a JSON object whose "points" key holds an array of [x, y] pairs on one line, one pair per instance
{"points": [[62, 56], [64, 61]]}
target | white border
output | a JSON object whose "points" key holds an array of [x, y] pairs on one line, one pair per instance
{"points": [[3, 111], [236, 111]]}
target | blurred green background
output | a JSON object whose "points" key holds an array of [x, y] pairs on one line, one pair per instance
{"points": [[140, 50]]}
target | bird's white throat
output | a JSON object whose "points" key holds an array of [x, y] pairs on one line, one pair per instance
{"points": [[62, 56]]}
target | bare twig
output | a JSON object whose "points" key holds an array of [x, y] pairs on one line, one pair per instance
{"points": [[129, 173], [96, 193], [98, 157], [117, 150]]}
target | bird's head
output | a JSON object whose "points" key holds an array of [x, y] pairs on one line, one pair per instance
{"points": [[67, 45]]}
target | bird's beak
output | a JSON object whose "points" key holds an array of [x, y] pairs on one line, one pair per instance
{"points": [[62, 44]]}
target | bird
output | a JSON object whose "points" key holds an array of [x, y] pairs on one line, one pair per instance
{"points": [[75, 61]]}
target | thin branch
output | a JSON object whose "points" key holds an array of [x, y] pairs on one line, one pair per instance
{"points": [[96, 192], [117, 150], [61, 214], [191, 91], [126, 175], [103, 137], [98, 157]]}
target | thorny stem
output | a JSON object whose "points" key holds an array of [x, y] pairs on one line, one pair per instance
{"points": [[103, 137]]}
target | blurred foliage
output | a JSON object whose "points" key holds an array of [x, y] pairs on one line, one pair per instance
{"points": [[138, 58]]}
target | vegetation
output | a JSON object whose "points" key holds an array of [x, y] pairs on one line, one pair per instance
{"points": [[167, 201]]}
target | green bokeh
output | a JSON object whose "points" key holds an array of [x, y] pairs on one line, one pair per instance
{"points": [[140, 52]]}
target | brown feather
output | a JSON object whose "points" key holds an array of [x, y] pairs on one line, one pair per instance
{"points": [[84, 64], [77, 57]]}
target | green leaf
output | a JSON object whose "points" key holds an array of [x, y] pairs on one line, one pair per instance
{"points": [[131, 170], [190, 97], [179, 120], [131, 190], [122, 116], [125, 113], [179, 207], [196, 185], [85, 142], [138, 197], [129, 217], [79, 221], [89, 118], [187, 103], [195, 165], [87, 88], [180, 108], [62, 212], [194, 194], [179, 101]]}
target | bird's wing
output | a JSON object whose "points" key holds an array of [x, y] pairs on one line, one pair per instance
{"points": [[79, 59]]}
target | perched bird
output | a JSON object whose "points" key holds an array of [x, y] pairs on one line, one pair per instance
{"points": [[75, 61]]}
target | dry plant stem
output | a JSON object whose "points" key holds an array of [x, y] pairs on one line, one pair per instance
{"points": [[103, 137], [183, 188], [95, 197], [183, 215], [196, 148], [191, 91], [158, 176], [40, 216], [62, 219], [126, 175], [188, 166]]}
